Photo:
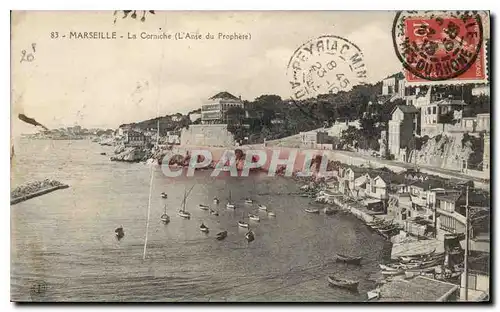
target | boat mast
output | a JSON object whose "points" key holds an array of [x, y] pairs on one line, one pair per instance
{"points": [[466, 255], [184, 202], [158, 134]]}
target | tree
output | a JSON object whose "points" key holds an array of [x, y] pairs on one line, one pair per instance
{"points": [[235, 115]]}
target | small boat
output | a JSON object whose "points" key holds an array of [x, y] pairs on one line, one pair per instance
{"points": [[248, 201], [389, 268], [119, 232], [221, 235], [253, 217], [250, 236], [213, 212], [343, 283], [262, 207], [242, 224], [304, 195], [312, 210], [421, 270], [347, 259], [329, 211], [271, 214], [375, 222], [216, 200], [203, 207], [103, 153], [389, 229], [405, 259], [373, 294], [391, 273], [203, 228], [164, 195]]}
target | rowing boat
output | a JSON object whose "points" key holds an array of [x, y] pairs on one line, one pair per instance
{"points": [[343, 282], [348, 259]]}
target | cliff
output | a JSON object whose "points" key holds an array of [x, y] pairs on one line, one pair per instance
{"points": [[445, 151]]}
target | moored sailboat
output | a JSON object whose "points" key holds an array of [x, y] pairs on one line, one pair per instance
{"points": [[182, 212], [164, 217], [230, 204]]}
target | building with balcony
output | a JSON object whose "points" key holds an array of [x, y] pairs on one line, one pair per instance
{"points": [[135, 138], [432, 114], [214, 111]]}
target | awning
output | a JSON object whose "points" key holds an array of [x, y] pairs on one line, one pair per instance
{"points": [[371, 201]]}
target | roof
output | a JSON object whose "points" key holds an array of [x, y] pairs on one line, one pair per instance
{"points": [[358, 171], [406, 109], [224, 95], [451, 197], [392, 178], [428, 184], [445, 102], [417, 289], [371, 201], [398, 76]]}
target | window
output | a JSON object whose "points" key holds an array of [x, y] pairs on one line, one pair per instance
{"points": [[434, 110], [428, 110]]}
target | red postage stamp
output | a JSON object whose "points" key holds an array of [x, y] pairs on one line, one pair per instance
{"points": [[441, 48]]}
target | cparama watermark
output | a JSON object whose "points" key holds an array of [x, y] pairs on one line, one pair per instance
{"points": [[239, 164]]}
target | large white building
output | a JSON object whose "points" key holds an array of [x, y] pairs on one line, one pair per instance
{"points": [[402, 127], [215, 109]]}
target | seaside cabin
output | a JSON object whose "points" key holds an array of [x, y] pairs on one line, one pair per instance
{"points": [[399, 206], [375, 206], [419, 190], [347, 182], [448, 219]]}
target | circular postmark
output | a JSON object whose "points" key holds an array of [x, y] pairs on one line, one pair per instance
{"points": [[38, 290], [437, 46], [327, 64]]}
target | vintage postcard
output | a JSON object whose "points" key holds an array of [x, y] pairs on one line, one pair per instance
{"points": [[250, 156]]}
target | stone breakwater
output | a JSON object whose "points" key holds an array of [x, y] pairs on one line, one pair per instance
{"points": [[34, 189]]}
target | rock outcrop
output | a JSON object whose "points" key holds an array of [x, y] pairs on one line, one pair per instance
{"points": [[132, 154]]}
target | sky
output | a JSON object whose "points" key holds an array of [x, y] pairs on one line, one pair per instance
{"points": [[104, 83]]}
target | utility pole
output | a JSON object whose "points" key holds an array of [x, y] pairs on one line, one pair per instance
{"points": [[466, 255], [435, 215]]}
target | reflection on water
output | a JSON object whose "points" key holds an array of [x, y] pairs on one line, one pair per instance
{"points": [[66, 239]]}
